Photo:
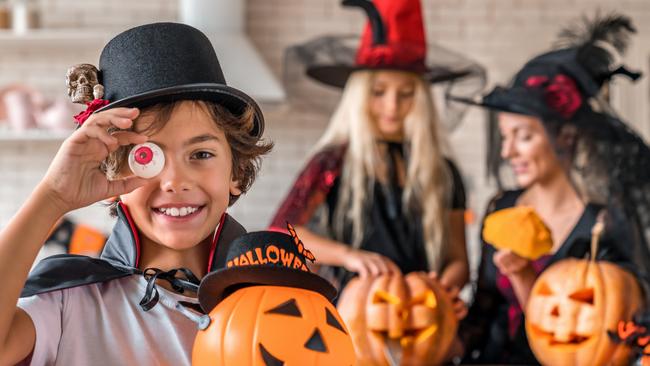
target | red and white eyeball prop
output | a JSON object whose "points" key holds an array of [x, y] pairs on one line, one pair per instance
{"points": [[146, 160]]}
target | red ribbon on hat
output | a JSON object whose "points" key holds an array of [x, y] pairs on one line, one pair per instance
{"points": [[91, 107]]}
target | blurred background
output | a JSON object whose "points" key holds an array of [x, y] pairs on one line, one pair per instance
{"points": [[40, 39]]}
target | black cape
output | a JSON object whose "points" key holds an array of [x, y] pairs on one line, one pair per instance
{"points": [[118, 259]]}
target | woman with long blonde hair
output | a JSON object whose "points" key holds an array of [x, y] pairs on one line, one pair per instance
{"points": [[378, 194]]}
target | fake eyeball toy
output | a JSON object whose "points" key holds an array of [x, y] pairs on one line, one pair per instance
{"points": [[146, 160]]}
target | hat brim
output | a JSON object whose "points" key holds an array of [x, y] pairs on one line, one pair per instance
{"points": [[523, 101], [214, 285], [232, 99], [512, 100], [337, 75]]}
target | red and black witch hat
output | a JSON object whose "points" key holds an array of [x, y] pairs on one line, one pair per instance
{"points": [[393, 39]]}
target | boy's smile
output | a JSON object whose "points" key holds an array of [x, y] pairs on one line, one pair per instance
{"points": [[181, 207]]}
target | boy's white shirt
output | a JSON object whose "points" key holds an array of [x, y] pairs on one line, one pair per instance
{"points": [[102, 324]]}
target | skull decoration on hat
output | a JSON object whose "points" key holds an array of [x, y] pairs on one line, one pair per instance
{"points": [[84, 88], [83, 83]]}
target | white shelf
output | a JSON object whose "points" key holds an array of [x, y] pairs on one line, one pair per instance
{"points": [[53, 38], [7, 135]]}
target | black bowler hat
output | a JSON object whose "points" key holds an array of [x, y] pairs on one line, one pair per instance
{"points": [[165, 62], [262, 258]]}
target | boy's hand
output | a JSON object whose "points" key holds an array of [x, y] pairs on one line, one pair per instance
{"points": [[74, 178]]}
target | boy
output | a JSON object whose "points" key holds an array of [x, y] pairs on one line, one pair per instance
{"points": [[163, 84]]}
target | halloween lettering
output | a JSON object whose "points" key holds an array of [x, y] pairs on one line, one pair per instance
{"points": [[271, 254]]}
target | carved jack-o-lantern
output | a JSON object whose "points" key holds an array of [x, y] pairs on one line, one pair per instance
{"points": [[274, 326], [393, 316], [572, 306]]}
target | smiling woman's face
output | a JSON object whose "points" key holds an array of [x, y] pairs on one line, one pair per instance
{"points": [[525, 145], [182, 205], [391, 100]]}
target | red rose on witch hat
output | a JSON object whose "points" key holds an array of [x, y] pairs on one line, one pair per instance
{"points": [[562, 95]]}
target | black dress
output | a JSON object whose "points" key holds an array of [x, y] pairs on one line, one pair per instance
{"points": [[493, 331], [388, 230]]}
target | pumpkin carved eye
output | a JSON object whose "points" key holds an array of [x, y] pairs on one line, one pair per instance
{"points": [[289, 308], [585, 295], [331, 320]]}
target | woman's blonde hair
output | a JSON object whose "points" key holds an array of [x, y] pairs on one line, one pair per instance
{"points": [[427, 191]]}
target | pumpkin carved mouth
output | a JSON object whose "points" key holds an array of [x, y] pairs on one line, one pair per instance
{"points": [[563, 319], [572, 340], [415, 314]]}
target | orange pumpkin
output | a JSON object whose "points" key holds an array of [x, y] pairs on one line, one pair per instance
{"points": [[572, 306], [273, 325], [520, 230], [412, 313]]}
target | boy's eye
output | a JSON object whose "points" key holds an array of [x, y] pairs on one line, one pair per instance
{"points": [[201, 155]]}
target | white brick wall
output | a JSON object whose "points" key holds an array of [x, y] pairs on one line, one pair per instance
{"points": [[501, 34]]}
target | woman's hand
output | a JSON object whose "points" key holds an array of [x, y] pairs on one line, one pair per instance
{"points": [[74, 178], [509, 263], [459, 306], [367, 263]]}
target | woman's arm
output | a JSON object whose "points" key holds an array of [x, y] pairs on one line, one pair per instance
{"points": [[334, 253], [456, 272]]}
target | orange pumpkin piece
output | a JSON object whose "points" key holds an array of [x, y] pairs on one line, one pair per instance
{"points": [[572, 306], [274, 325], [412, 312], [519, 229], [86, 241]]}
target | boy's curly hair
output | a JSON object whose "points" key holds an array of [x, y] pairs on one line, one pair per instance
{"points": [[246, 150]]}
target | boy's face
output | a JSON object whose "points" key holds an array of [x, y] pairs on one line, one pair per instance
{"points": [[182, 205]]}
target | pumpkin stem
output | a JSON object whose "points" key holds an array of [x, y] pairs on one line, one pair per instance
{"points": [[596, 232]]}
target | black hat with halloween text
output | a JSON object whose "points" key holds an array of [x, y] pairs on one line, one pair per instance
{"points": [[153, 63], [265, 258]]}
